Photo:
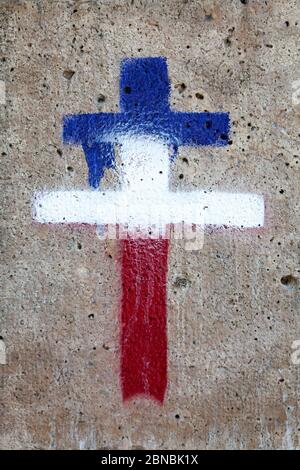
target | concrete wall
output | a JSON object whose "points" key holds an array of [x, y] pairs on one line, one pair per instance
{"points": [[233, 305]]}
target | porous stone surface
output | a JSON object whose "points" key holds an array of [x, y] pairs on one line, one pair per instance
{"points": [[233, 306]]}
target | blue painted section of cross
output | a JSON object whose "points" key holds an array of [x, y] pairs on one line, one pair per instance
{"points": [[144, 110]]}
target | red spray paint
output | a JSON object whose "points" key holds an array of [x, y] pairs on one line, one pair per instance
{"points": [[144, 318]]}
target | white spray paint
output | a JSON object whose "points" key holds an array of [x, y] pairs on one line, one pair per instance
{"points": [[145, 198], [2, 92], [2, 352]]}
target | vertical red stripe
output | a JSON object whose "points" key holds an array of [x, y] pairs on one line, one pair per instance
{"points": [[143, 318]]}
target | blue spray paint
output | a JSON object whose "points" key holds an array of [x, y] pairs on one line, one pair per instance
{"points": [[145, 110]]}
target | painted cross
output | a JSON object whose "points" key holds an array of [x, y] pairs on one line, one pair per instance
{"points": [[148, 134]]}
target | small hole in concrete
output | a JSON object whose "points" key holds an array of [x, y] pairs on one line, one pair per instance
{"points": [[79, 246], [199, 96], [91, 316], [101, 98], [289, 281], [68, 74], [181, 87], [70, 169], [181, 282], [181, 176]]}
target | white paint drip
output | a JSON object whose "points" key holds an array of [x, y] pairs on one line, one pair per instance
{"points": [[291, 426], [2, 352], [145, 198], [2, 92]]}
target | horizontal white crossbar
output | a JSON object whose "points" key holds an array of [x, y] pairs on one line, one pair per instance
{"points": [[145, 209]]}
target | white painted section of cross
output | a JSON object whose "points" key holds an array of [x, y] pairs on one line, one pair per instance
{"points": [[145, 199], [145, 130]]}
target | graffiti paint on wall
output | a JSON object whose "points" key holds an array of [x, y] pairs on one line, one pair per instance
{"points": [[148, 134]]}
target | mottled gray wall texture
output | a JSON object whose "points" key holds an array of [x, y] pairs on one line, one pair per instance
{"points": [[233, 316]]}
